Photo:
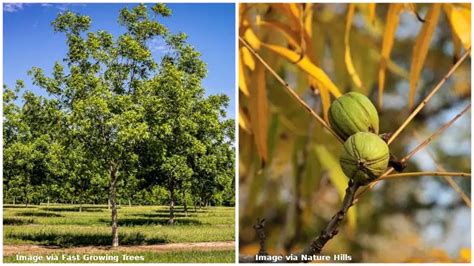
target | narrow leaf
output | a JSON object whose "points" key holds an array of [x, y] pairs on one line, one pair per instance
{"points": [[258, 108], [308, 20], [295, 9], [247, 58], [244, 122], [242, 78], [347, 56], [387, 44], [306, 65], [252, 39], [420, 50], [372, 10], [460, 21]]}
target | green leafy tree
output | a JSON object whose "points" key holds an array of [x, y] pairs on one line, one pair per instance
{"points": [[99, 90], [184, 125], [29, 140]]}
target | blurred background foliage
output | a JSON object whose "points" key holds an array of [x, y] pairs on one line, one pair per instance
{"points": [[288, 164]]}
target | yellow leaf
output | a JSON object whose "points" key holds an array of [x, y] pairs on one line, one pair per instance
{"points": [[465, 255], [258, 108], [242, 78], [372, 12], [308, 20], [460, 21], [244, 122], [387, 44], [306, 65], [295, 9], [347, 56], [247, 58], [252, 39], [420, 49], [338, 179]]}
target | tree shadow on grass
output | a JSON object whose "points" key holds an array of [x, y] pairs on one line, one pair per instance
{"points": [[17, 221], [39, 214], [178, 211], [75, 240], [165, 215], [148, 221], [18, 207], [74, 209]]}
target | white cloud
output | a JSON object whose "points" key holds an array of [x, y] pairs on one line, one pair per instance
{"points": [[68, 6], [13, 7], [158, 45], [46, 4]]}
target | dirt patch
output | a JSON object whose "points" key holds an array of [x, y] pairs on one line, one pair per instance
{"points": [[11, 250]]}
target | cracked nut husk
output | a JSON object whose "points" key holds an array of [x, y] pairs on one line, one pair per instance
{"points": [[351, 113], [364, 157]]}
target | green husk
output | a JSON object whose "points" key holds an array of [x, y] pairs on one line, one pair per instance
{"points": [[351, 113], [365, 157]]}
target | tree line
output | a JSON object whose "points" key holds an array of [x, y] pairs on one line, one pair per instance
{"points": [[119, 125]]}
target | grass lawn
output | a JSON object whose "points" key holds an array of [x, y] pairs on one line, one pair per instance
{"points": [[65, 226]]}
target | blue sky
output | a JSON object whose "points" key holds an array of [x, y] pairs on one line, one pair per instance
{"points": [[29, 39]]}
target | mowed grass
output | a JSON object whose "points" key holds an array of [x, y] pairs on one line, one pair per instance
{"points": [[64, 226], [226, 256]]}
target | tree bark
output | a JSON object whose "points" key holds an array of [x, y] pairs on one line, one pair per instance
{"points": [[26, 199], [185, 204], [172, 202], [113, 204]]}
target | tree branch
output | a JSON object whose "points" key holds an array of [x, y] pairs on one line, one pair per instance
{"points": [[429, 96], [415, 150], [448, 179], [331, 229], [425, 174], [260, 229], [316, 246]]}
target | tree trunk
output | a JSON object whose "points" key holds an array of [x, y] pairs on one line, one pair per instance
{"points": [[113, 204], [129, 203], [14, 200], [26, 199], [185, 204], [108, 204], [80, 206], [172, 202]]}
